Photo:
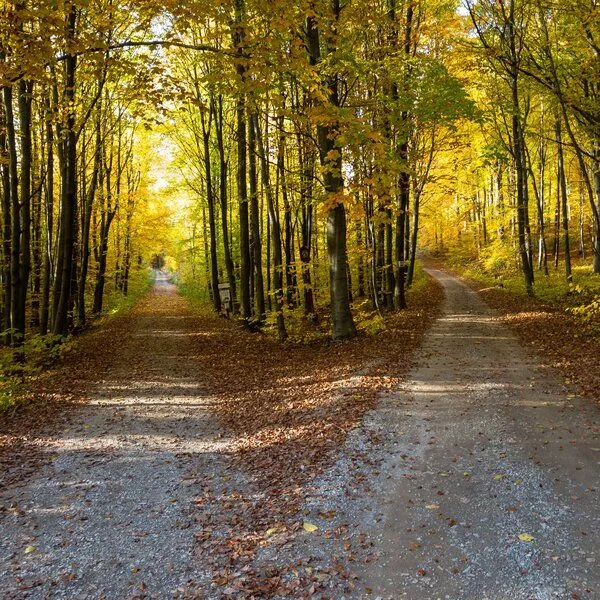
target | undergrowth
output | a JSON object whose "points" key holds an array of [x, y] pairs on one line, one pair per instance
{"points": [[303, 329], [43, 351]]}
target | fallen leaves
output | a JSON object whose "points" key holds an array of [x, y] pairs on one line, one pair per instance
{"points": [[526, 537], [549, 329], [285, 409]]}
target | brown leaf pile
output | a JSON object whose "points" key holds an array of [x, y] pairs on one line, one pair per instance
{"points": [[288, 408]]}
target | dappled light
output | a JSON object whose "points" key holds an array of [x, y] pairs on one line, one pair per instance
{"points": [[299, 300]]}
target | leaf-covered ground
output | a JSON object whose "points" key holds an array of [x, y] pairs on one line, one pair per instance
{"points": [[133, 405], [562, 339], [288, 408]]}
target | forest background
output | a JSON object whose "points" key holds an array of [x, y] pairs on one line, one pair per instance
{"points": [[302, 153]]}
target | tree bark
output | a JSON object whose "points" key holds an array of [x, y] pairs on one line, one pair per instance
{"points": [[210, 199], [6, 219], [275, 228], [217, 108], [242, 190], [562, 180], [256, 247], [330, 154], [68, 201]]}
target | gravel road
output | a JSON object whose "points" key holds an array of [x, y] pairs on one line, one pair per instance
{"points": [[111, 516], [478, 479]]}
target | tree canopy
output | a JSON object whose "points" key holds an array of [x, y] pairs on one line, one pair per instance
{"points": [[298, 153]]}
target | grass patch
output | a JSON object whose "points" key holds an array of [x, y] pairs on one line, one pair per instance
{"points": [[140, 282]]}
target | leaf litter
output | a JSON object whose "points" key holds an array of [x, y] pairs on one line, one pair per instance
{"points": [[284, 410]]}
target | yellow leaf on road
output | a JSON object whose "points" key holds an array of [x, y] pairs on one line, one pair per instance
{"points": [[525, 537], [29, 549], [432, 506], [309, 527]]}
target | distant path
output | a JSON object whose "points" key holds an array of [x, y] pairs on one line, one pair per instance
{"points": [[482, 445], [111, 515]]}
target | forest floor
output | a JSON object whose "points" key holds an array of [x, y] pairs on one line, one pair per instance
{"points": [[174, 455]]}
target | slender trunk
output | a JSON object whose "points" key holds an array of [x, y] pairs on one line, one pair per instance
{"points": [[6, 219], [105, 224], [64, 267], [361, 259], [538, 192], [49, 210], [15, 227], [562, 179], [217, 108], [85, 228], [597, 212], [24, 209], [210, 197], [37, 246], [256, 247], [556, 244], [275, 229], [413, 240], [403, 180], [390, 284], [242, 190], [290, 275], [518, 156], [108, 212]]}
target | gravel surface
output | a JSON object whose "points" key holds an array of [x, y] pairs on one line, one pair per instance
{"points": [[481, 445], [477, 479], [112, 514]]}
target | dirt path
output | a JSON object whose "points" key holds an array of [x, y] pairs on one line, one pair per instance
{"points": [[110, 516], [483, 445], [427, 500]]}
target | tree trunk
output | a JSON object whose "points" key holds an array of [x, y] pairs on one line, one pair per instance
{"points": [[330, 154], [6, 219], [217, 108], [239, 37], [275, 233], [85, 227], [24, 210], [49, 211], [562, 179], [403, 181], [66, 239], [256, 247], [210, 197], [413, 240]]}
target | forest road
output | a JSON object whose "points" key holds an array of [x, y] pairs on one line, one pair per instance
{"points": [[110, 516], [490, 475]]}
